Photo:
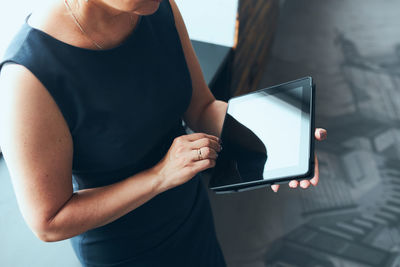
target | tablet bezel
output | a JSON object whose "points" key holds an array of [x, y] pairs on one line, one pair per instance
{"points": [[308, 104]]}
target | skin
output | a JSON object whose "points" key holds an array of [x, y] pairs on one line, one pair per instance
{"points": [[38, 146]]}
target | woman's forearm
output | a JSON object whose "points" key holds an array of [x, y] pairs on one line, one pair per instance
{"points": [[212, 118], [95, 207]]}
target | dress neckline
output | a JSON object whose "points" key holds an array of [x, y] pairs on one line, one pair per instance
{"points": [[119, 46]]}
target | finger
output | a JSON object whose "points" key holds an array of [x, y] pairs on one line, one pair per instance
{"points": [[205, 142], [275, 187], [195, 136], [314, 181], [320, 134], [205, 153], [293, 184], [201, 165], [304, 184]]}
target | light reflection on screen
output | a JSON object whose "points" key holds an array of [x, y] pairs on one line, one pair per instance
{"points": [[282, 122]]}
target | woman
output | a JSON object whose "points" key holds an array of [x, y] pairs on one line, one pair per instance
{"points": [[96, 90]]}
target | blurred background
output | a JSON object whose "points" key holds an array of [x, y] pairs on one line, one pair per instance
{"points": [[352, 50]]}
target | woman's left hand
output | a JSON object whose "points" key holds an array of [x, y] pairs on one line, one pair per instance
{"points": [[320, 134]]}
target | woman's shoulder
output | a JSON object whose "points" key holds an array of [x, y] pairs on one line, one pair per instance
{"points": [[26, 42], [26, 69], [53, 21]]}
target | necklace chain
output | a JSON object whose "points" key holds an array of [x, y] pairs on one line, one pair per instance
{"points": [[80, 26]]}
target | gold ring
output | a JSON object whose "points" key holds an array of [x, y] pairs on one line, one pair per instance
{"points": [[199, 154]]}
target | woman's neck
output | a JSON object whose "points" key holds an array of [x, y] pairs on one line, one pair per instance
{"points": [[99, 19]]}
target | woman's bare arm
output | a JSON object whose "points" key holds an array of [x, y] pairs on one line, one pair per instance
{"points": [[205, 113], [38, 150]]}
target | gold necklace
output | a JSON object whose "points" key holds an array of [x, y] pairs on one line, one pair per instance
{"points": [[80, 26]]}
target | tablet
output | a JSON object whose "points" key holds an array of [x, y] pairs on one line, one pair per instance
{"points": [[267, 138]]}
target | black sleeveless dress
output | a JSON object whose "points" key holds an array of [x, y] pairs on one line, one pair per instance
{"points": [[124, 107]]}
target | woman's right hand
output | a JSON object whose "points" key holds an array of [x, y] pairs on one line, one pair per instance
{"points": [[183, 160]]}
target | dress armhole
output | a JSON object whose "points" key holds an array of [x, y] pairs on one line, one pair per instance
{"points": [[62, 107]]}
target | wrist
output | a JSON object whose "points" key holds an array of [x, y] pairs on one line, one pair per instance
{"points": [[157, 178]]}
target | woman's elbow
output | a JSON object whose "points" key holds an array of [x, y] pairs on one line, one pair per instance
{"points": [[47, 232], [45, 237]]}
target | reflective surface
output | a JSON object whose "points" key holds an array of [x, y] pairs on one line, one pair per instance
{"points": [[266, 136]]}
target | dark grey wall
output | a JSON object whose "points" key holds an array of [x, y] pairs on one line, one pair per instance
{"points": [[352, 50]]}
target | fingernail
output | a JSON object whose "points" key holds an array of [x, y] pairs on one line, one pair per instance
{"points": [[303, 184], [220, 147]]}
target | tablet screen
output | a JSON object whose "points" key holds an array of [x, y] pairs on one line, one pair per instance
{"points": [[266, 136]]}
